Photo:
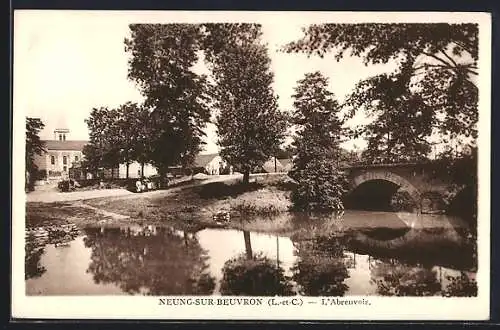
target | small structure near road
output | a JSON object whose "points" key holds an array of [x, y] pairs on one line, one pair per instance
{"points": [[211, 164]]}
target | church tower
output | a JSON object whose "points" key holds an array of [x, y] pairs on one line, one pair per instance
{"points": [[60, 134]]}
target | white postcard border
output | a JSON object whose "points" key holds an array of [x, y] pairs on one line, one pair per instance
{"points": [[381, 308]]}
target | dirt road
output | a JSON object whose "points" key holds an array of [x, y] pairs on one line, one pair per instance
{"points": [[50, 194]]}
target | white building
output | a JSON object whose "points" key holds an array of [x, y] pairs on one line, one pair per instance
{"points": [[211, 164], [135, 170], [59, 155]]}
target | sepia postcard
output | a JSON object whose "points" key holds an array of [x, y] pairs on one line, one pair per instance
{"points": [[251, 165]]}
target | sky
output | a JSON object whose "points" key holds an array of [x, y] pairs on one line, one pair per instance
{"points": [[66, 63]]}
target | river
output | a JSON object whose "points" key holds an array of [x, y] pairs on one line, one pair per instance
{"points": [[353, 253]]}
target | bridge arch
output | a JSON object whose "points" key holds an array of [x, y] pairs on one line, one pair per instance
{"points": [[387, 176], [400, 183]]}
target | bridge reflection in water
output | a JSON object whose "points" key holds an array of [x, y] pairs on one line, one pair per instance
{"points": [[354, 253]]}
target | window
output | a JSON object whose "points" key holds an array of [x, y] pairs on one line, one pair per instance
{"points": [[65, 169], [76, 158], [52, 160], [64, 137], [65, 160], [60, 137]]}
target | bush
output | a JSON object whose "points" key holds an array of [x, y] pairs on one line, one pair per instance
{"points": [[258, 276], [247, 208], [320, 186]]}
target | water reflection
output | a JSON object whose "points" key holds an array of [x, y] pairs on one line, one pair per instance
{"points": [[394, 278], [154, 261], [356, 253], [37, 239], [257, 275], [321, 268], [34, 252]]}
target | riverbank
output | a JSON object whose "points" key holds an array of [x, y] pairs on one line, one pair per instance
{"points": [[191, 206]]}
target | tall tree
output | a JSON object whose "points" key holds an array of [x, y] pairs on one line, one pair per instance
{"points": [[401, 121], [104, 138], [442, 57], [34, 146], [249, 125], [320, 181], [162, 57], [133, 128]]}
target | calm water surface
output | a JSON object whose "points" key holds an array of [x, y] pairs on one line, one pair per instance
{"points": [[355, 253]]}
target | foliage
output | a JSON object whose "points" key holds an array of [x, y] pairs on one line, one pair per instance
{"points": [[34, 146], [161, 63], [401, 121], [441, 58], [460, 286], [117, 135], [460, 167], [320, 186], [348, 157], [251, 208], [133, 127], [258, 276], [103, 148], [316, 163], [249, 125]]}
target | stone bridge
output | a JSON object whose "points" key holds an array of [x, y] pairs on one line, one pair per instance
{"points": [[376, 184]]}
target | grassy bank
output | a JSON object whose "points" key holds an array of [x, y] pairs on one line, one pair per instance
{"points": [[190, 207]]}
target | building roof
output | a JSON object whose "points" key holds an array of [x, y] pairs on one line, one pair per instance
{"points": [[64, 145], [203, 160], [287, 163]]}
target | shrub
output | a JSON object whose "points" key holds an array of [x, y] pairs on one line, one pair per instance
{"points": [[320, 187], [247, 208]]}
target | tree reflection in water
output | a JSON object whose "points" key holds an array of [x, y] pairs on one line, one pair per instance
{"points": [[320, 269], [157, 262], [394, 278], [32, 266], [253, 274]]}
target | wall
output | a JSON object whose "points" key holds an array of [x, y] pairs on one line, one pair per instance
{"points": [[56, 170], [421, 179], [134, 170], [213, 167]]}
